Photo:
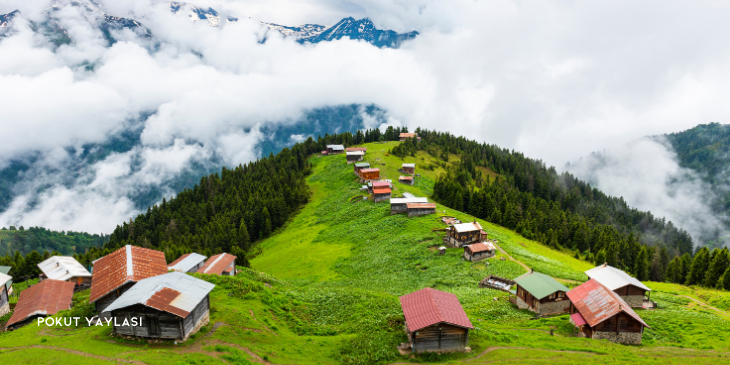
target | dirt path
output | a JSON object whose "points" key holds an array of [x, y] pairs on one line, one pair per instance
{"points": [[73, 352], [495, 348], [510, 257], [705, 305]]}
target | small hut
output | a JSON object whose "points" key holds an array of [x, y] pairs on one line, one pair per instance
{"points": [[479, 251], [435, 321], [408, 180], [369, 174], [354, 156], [172, 306], [361, 165], [408, 168], [221, 264], [4, 295], [630, 289], [334, 149], [541, 294], [416, 209], [116, 272], [400, 205], [43, 299], [189, 262], [66, 268], [404, 136], [601, 314], [462, 234]]}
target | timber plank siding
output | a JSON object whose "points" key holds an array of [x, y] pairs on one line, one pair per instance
{"points": [[157, 324], [108, 299], [440, 337]]}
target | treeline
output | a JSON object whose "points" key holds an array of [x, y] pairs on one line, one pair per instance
{"points": [[39, 239], [707, 269]]}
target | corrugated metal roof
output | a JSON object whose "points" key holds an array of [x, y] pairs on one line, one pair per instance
{"points": [[370, 170], [540, 285], [336, 147], [350, 149], [217, 263], [578, 320], [613, 278], [5, 278], [186, 262], [174, 292], [63, 268], [405, 178], [379, 184], [420, 205], [408, 200], [406, 135], [47, 297], [409, 165], [596, 303], [362, 164], [381, 190], [129, 263], [428, 306], [467, 227], [481, 247], [9, 282], [355, 153]]}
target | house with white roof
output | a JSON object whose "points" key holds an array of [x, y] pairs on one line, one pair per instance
{"points": [[189, 262], [630, 289], [461, 234], [65, 268], [4, 295], [400, 205]]}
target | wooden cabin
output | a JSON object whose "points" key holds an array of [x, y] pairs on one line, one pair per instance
{"points": [[403, 136], [9, 282], [334, 149], [381, 194], [4, 295], [189, 262], [599, 313], [630, 289], [408, 168], [172, 306], [361, 165], [41, 300], [221, 264], [462, 234], [479, 251], [541, 294], [416, 209], [116, 272], [66, 268], [369, 174], [408, 180], [354, 156], [356, 149], [435, 321], [400, 205]]}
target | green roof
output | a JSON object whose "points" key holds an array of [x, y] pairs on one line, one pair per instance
{"points": [[362, 164], [540, 285]]}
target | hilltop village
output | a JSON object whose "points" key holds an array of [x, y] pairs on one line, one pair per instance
{"points": [[151, 300]]}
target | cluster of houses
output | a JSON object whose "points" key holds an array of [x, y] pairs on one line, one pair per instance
{"points": [[135, 286]]}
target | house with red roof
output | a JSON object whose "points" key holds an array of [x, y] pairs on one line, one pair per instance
{"points": [[221, 264], [435, 321], [43, 299], [600, 313], [479, 251]]}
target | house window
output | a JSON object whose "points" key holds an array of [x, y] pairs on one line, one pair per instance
{"points": [[154, 325], [552, 296], [560, 294]]}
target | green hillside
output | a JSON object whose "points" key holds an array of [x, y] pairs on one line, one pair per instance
{"points": [[324, 290]]}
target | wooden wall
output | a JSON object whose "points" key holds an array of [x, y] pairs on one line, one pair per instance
{"points": [[440, 337], [630, 290], [107, 300], [170, 325]]}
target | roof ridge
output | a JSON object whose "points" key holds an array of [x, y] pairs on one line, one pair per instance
{"points": [[435, 307], [220, 256]]}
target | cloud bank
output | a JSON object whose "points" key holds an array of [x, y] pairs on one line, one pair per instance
{"points": [[555, 80]]}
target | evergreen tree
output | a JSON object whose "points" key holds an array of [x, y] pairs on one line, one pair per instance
{"points": [[718, 265], [642, 265], [699, 266], [725, 282], [600, 258]]}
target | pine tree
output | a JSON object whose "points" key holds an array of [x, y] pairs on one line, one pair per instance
{"points": [[699, 266], [718, 265], [725, 282], [600, 257], [642, 265]]}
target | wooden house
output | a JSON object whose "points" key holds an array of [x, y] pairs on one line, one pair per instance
{"points": [[435, 321], [354, 156], [479, 251], [189, 262], [462, 234], [381, 193], [408, 180], [361, 165], [172, 306], [4, 295], [601, 314], [541, 294], [43, 299], [116, 272], [403, 136], [66, 268], [8, 283], [355, 149], [416, 209], [400, 205], [630, 289], [369, 174], [334, 149], [221, 264], [408, 168]]}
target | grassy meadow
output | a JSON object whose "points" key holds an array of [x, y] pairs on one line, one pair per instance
{"points": [[324, 290]]}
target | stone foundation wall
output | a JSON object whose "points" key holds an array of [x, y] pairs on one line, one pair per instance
{"points": [[633, 338], [553, 307], [381, 197], [5, 309], [521, 304], [635, 301]]}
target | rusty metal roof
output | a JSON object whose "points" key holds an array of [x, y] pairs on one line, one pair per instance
{"points": [[381, 190], [127, 264], [47, 298], [369, 170], [481, 247], [406, 135], [63, 268], [596, 303], [428, 306], [420, 205], [217, 264], [174, 292], [405, 177], [186, 262]]}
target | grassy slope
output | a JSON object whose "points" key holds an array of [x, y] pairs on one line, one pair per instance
{"points": [[345, 264]]}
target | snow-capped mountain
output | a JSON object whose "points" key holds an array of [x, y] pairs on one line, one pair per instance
{"points": [[361, 29], [195, 13], [6, 18], [301, 32]]}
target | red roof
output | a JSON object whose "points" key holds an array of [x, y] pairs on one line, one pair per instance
{"points": [[596, 303], [406, 135], [377, 184], [354, 149], [405, 178], [162, 301], [369, 170], [428, 306], [420, 205], [47, 298], [481, 246], [215, 265], [381, 190], [578, 320], [129, 263]]}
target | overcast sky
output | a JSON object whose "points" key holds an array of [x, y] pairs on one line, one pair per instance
{"points": [[553, 79]]}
